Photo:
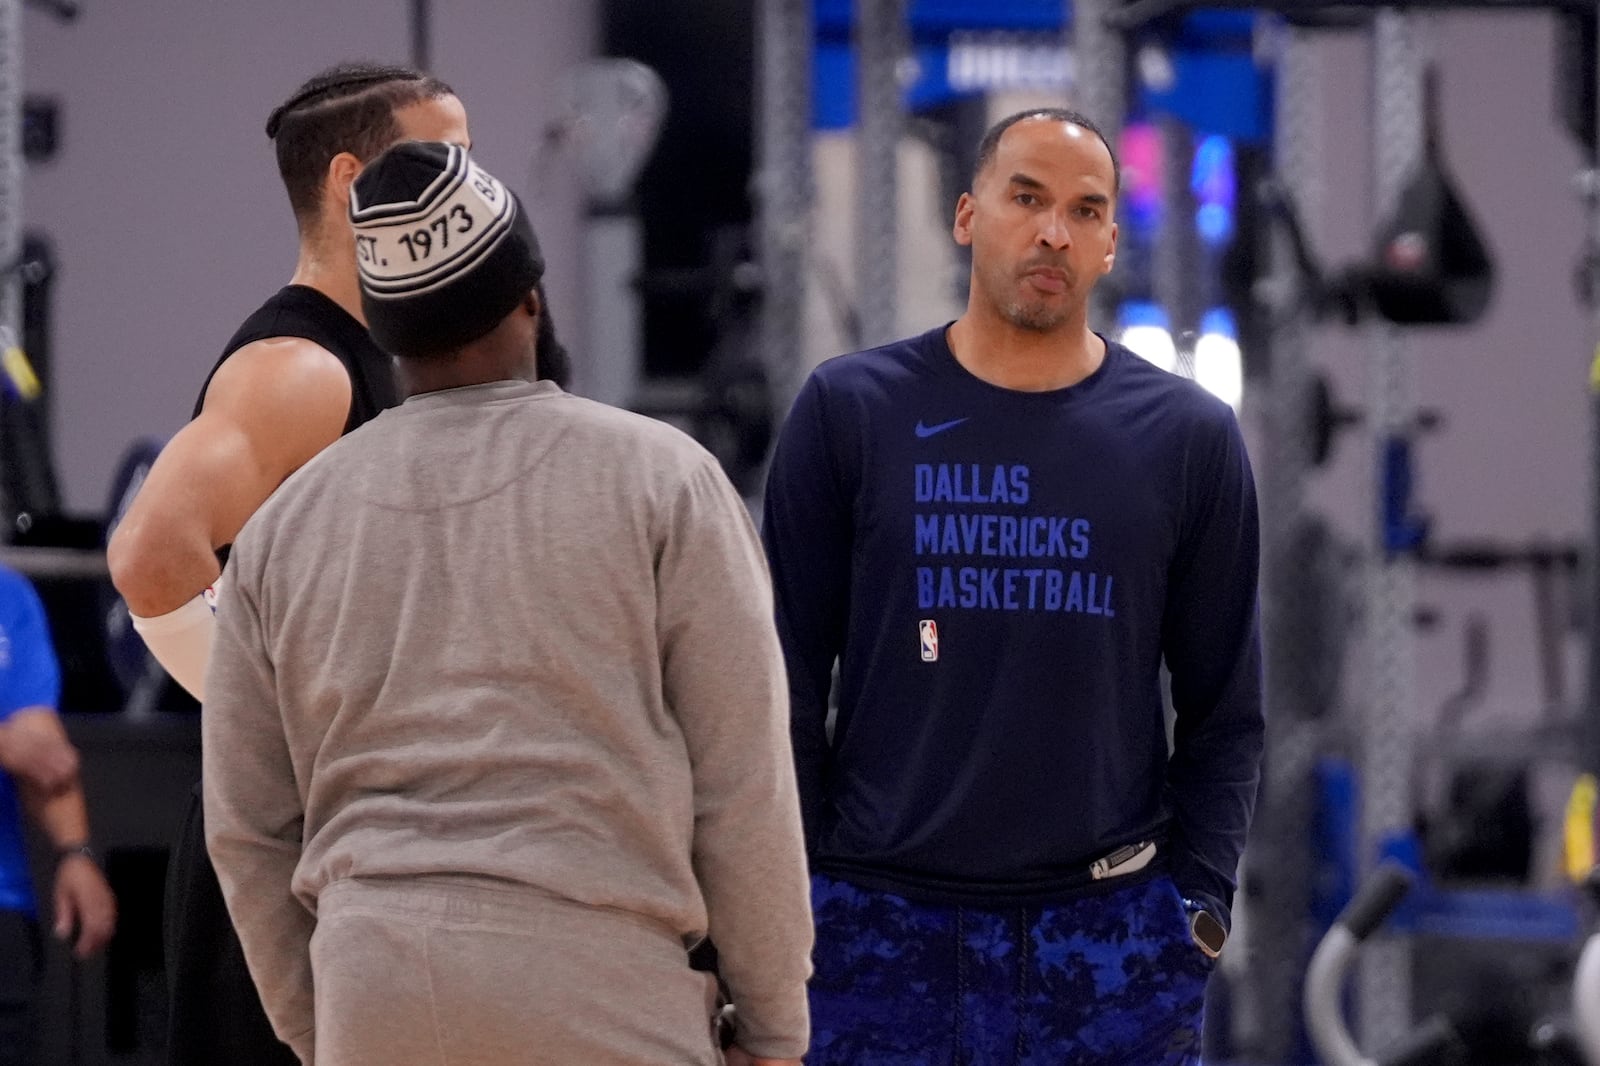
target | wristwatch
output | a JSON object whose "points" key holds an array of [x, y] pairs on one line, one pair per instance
{"points": [[1207, 933]]}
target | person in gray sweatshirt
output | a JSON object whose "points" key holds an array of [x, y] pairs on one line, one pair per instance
{"points": [[496, 717]]}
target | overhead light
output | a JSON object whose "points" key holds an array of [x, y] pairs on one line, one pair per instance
{"points": [[1217, 365], [1145, 331]]}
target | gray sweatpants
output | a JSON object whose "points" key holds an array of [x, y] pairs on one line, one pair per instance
{"points": [[441, 972]]}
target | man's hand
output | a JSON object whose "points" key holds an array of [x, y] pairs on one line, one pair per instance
{"points": [[83, 901], [737, 1056], [35, 750]]}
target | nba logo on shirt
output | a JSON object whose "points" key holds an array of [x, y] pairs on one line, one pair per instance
{"points": [[213, 592], [929, 630]]}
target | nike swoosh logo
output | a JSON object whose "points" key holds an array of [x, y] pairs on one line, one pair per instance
{"points": [[928, 431]]}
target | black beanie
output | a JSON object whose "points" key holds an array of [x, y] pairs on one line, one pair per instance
{"points": [[444, 250]]}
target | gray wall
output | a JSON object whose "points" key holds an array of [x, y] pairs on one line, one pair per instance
{"points": [[164, 204], [1511, 460]]}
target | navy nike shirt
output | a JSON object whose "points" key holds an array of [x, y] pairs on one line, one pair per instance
{"points": [[999, 576]]}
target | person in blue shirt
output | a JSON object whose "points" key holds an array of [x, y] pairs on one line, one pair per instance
{"points": [[999, 531], [39, 773]]}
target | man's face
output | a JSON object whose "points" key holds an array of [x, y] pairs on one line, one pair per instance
{"points": [[1040, 220], [440, 119]]}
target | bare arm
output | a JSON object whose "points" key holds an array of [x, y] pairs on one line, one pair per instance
{"points": [[34, 750], [271, 407], [82, 899]]}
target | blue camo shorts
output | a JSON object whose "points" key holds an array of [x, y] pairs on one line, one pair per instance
{"points": [[1111, 978]]}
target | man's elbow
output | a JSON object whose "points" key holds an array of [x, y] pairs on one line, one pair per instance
{"points": [[142, 572]]}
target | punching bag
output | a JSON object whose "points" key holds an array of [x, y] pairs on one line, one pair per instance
{"points": [[1431, 266]]}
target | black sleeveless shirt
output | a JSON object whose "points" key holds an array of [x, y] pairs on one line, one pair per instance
{"points": [[299, 311]]}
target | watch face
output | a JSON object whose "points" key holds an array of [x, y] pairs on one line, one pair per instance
{"points": [[1207, 932]]}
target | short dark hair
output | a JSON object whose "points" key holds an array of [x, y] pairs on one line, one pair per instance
{"points": [[346, 108], [991, 140], [551, 360]]}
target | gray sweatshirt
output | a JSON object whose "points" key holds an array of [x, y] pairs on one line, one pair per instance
{"points": [[505, 632]]}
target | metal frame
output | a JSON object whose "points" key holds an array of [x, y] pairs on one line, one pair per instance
{"points": [[11, 165], [1101, 62], [880, 45], [420, 18], [1178, 251], [783, 184], [1278, 861], [1388, 737]]}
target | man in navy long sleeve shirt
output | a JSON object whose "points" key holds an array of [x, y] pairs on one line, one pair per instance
{"points": [[999, 530]]}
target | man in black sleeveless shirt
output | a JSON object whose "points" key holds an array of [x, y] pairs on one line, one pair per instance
{"points": [[300, 372]]}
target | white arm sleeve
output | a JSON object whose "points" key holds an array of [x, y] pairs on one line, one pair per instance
{"points": [[181, 642]]}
